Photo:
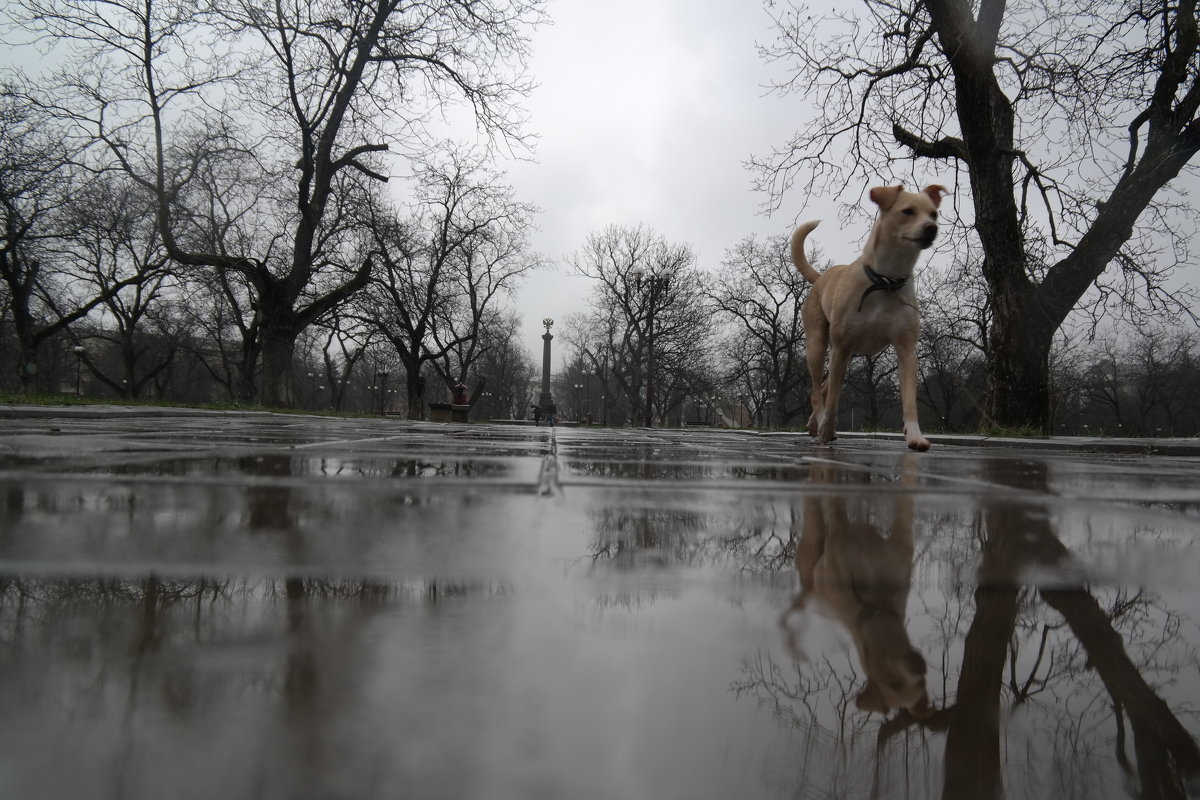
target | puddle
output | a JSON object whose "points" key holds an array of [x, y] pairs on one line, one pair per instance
{"points": [[686, 617]]}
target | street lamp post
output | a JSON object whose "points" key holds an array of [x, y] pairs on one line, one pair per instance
{"points": [[653, 284], [587, 392], [78, 351]]}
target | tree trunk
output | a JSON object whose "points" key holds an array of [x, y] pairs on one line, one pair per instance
{"points": [[973, 738], [415, 384], [27, 368], [1018, 372], [27, 346], [278, 378]]}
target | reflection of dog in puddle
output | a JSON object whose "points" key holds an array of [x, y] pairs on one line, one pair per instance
{"points": [[855, 574]]}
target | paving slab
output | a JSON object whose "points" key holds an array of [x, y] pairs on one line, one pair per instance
{"points": [[252, 605]]}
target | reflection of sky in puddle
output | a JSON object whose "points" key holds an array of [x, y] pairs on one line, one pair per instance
{"points": [[622, 634], [305, 466]]}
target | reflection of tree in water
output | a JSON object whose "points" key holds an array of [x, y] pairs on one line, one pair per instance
{"points": [[1062, 657], [649, 537], [1052, 689], [199, 638], [759, 542], [111, 664], [831, 749], [797, 694]]}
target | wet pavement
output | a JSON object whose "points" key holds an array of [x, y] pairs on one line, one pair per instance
{"points": [[267, 606]]}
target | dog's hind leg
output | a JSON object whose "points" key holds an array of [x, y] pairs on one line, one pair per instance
{"points": [[838, 358], [816, 331], [819, 381]]}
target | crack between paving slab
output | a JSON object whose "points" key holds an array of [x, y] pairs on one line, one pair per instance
{"points": [[548, 479], [951, 479]]}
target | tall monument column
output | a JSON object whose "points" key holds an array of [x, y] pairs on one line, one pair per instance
{"points": [[545, 399]]}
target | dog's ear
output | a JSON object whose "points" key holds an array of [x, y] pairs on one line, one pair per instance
{"points": [[885, 196], [935, 192]]}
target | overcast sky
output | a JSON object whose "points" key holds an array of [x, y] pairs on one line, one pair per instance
{"points": [[646, 111]]}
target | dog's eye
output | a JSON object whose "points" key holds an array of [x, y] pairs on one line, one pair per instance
{"points": [[908, 212]]}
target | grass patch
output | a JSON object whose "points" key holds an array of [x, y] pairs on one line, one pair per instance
{"points": [[1016, 432], [13, 398]]}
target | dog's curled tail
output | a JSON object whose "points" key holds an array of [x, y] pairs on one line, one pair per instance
{"points": [[798, 258]]}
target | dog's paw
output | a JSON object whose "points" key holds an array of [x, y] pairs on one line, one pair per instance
{"points": [[914, 439]]}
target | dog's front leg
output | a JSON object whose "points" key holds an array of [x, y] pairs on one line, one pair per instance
{"points": [[833, 391], [906, 355]]}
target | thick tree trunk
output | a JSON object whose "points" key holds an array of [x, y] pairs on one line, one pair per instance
{"points": [[415, 384], [27, 346], [278, 378], [245, 388], [973, 738], [27, 371], [1018, 368]]}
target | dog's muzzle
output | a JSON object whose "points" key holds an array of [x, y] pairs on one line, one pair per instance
{"points": [[927, 236]]}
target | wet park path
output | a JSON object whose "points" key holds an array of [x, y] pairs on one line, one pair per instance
{"points": [[267, 606]]}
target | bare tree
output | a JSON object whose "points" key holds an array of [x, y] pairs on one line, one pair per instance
{"points": [[223, 329], [872, 389], [1068, 124], [1166, 365], [649, 309], [340, 343], [596, 339], [1142, 382], [952, 348], [507, 368], [36, 185], [316, 91], [444, 268], [115, 253], [759, 292], [493, 254]]}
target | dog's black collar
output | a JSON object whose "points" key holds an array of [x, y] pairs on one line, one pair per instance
{"points": [[879, 283]]}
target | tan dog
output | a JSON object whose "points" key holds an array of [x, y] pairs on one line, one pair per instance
{"points": [[853, 572], [861, 307]]}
